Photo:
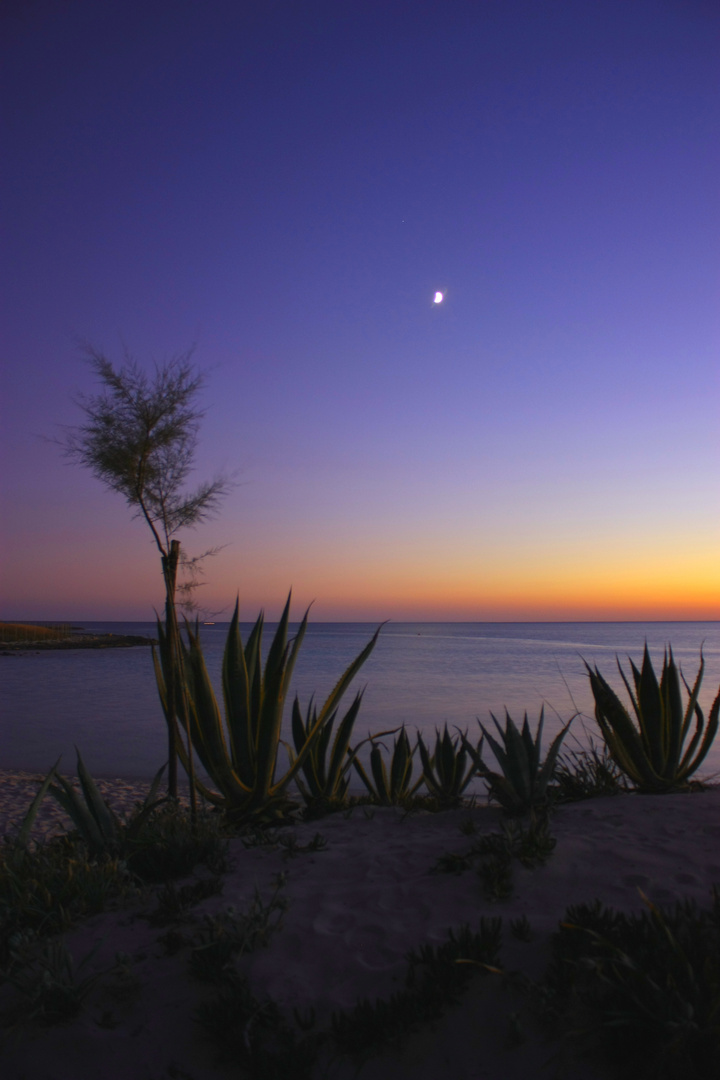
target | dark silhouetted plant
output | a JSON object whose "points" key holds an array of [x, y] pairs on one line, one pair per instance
{"points": [[325, 778], [139, 439], [224, 937], [45, 890], [523, 782], [587, 774], [241, 757], [493, 855], [449, 771], [653, 753], [435, 979], [175, 902], [48, 983], [395, 788], [98, 825], [640, 990]]}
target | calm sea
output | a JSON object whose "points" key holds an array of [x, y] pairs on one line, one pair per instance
{"points": [[421, 674]]}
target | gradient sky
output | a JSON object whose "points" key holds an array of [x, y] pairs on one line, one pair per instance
{"points": [[285, 185]]}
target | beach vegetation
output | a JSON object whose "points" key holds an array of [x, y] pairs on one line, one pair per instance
{"points": [[641, 990], [449, 770], [435, 979], [325, 768], [224, 937], [173, 842], [241, 756], [95, 821], [139, 439], [521, 929], [50, 988], [253, 1035], [174, 902], [247, 1032], [522, 783], [493, 854], [12, 632], [655, 751], [589, 773], [46, 890], [395, 788], [157, 841]]}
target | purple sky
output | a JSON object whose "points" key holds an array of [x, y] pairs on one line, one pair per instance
{"points": [[286, 185]]}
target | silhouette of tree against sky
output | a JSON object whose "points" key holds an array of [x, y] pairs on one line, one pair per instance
{"points": [[139, 438]]}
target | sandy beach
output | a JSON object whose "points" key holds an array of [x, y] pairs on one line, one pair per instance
{"points": [[358, 900]]}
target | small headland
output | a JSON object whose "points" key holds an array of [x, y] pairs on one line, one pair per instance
{"points": [[29, 637]]}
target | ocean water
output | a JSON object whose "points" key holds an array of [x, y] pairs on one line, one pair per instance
{"points": [[423, 675]]}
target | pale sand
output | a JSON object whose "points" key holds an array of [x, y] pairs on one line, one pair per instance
{"points": [[355, 909]]}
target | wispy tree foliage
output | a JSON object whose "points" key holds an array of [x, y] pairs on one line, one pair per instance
{"points": [[139, 439]]}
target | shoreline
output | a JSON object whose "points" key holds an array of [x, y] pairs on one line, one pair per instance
{"points": [[81, 641]]}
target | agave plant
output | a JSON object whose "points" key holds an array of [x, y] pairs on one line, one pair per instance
{"points": [[96, 822], [240, 757], [447, 773], [98, 825], [523, 782], [395, 788], [326, 779], [653, 753]]}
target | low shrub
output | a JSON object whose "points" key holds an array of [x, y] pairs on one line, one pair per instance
{"points": [[587, 774], [45, 891], [641, 991]]}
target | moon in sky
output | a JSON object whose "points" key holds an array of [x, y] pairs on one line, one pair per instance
{"points": [[438, 298]]}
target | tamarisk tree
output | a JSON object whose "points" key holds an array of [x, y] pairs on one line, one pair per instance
{"points": [[139, 439]]}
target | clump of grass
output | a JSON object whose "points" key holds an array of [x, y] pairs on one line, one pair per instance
{"points": [[254, 1036], [48, 983], [228, 935], [520, 928], [173, 842], [641, 990], [292, 847], [250, 1033], [435, 979], [46, 890], [493, 854], [174, 902], [587, 774]]}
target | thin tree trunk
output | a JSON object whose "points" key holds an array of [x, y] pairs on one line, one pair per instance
{"points": [[169, 566], [177, 702]]}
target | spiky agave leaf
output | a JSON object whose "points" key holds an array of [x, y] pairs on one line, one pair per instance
{"points": [[523, 780], [81, 815], [653, 755], [445, 773], [242, 762], [107, 821], [149, 805], [389, 789], [326, 778], [23, 836]]}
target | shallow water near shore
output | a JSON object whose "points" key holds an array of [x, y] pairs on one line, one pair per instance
{"points": [[421, 674]]}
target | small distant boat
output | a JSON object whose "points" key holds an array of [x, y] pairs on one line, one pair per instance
{"points": [[208, 622]]}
